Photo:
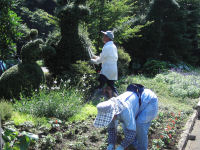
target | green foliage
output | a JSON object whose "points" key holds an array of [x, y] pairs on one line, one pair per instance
{"points": [[31, 52], [15, 141], [173, 35], [184, 85], [21, 78], [74, 42], [82, 76], [20, 118], [38, 19], [86, 111], [59, 103], [41, 4], [26, 76], [6, 110], [111, 15], [192, 19], [9, 24], [123, 62], [153, 67]]}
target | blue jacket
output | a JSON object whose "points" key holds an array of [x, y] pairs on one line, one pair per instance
{"points": [[133, 113]]}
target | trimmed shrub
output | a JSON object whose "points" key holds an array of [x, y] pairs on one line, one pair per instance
{"points": [[22, 78], [58, 103], [6, 110], [123, 62], [26, 76], [73, 44], [153, 67]]}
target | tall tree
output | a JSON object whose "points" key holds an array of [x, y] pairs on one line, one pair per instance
{"points": [[192, 11], [165, 39], [9, 23], [111, 15]]}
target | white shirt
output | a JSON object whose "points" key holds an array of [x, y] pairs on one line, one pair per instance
{"points": [[108, 58]]}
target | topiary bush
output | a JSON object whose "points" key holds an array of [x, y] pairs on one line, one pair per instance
{"points": [[153, 67], [6, 110], [73, 44], [123, 62], [26, 76]]}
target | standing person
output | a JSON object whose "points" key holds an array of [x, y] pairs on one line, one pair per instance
{"points": [[108, 58], [135, 109]]}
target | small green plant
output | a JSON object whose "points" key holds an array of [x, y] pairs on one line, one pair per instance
{"points": [[59, 103], [157, 144], [48, 142], [15, 140], [6, 110]]}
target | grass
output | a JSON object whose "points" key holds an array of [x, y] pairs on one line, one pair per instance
{"points": [[20, 118], [167, 101], [86, 111], [162, 90], [45, 104], [53, 102]]}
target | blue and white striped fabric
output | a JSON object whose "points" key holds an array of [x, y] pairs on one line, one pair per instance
{"points": [[107, 110], [144, 114]]}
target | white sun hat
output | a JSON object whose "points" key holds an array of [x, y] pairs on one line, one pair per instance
{"points": [[107, 110], [109, 34]]}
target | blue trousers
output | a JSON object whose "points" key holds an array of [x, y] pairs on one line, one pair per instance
{"points": [[141, 141]]}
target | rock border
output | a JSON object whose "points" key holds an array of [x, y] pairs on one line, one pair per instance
{"points": [[188, 128]]}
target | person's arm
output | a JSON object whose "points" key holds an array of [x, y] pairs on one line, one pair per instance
{"points": [[112, 135], [102, 57], [129, 127], [128, 140]]}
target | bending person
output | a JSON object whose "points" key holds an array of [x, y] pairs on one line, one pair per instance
{"points": [[135, 109]]}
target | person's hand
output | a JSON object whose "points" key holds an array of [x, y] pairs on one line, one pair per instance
{"points": [[94, 56], [110, 147], [119, 148], [92, 61]]}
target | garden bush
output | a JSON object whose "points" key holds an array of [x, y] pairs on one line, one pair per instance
{"points": [[6, 110], [153, 67], [59, 103], [123, 62], [25, 76], [83, 76], [73, 44], [181, 84]]}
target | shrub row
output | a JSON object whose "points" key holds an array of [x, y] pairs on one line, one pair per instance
{"points": [[59, 103]]}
